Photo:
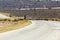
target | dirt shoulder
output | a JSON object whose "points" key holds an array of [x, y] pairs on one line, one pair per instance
{"points": [[9, 26]]}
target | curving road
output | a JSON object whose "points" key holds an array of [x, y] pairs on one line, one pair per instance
{"points": [[38, 30]]}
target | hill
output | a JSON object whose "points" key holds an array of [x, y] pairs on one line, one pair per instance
{"points": [[13, 4]]}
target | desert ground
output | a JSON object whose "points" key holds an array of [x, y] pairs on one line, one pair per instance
{"points": [[8, 23]]}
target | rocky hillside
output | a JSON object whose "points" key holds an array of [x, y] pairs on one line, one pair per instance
{"points": [[12, 4]]}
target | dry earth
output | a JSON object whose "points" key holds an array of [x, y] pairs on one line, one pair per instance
{"points": [[8, 26]]}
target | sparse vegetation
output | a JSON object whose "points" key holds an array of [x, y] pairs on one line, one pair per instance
{"points": [[40, 13], [13, 25]]}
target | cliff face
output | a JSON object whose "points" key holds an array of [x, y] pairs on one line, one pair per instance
{"points": [[9, 4]]}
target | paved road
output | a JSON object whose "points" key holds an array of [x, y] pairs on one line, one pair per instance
{"points": [[38, 30]]}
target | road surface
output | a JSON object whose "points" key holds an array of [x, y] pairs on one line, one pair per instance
{"points": [[38, 30]]}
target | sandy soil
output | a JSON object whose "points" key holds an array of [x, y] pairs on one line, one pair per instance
{"points": [[8, 26]]}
